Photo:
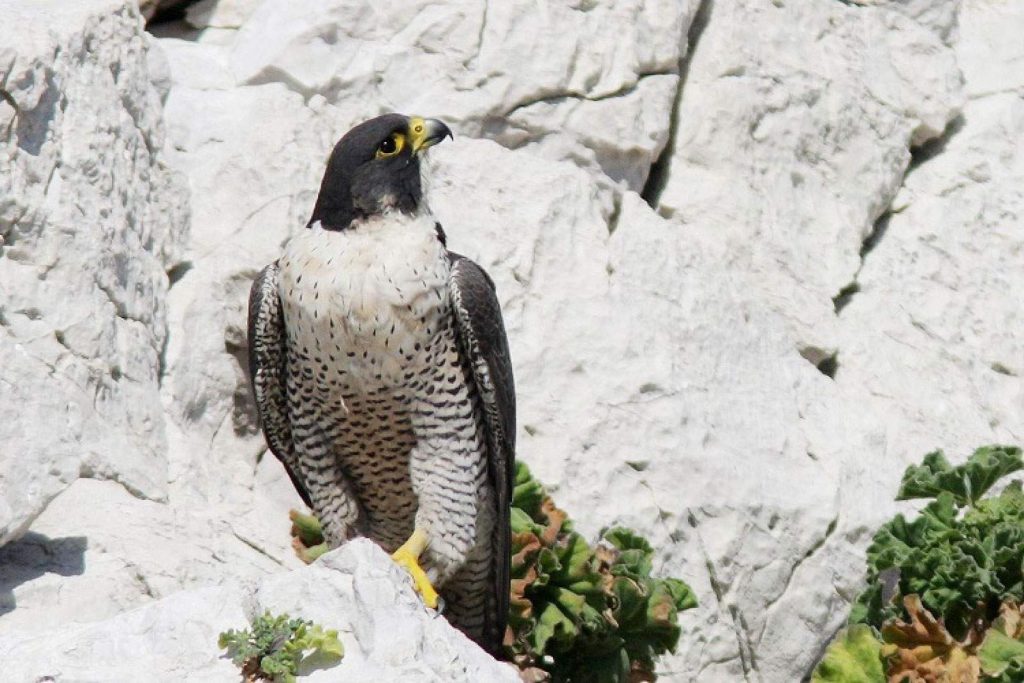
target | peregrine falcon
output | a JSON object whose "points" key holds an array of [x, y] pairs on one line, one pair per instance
{"points": [[381, 373]]}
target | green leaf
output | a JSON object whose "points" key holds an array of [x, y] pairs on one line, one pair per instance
{"points": [[548, 564], [228, 639], [682, 595], [307, 528], [326, 642], [523, 523], [310, 554], [993, 511], [275, 665], [592, 621], [853, 657], [624, 539], [632, 603], [635, 554], [571, 603], [552, 625], [968, 482], [998, 652], [527, 493], [662, 621], [575, 558]]}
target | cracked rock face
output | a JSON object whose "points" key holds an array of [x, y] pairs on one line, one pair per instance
{"points": [[793, 133], [819, 288], [586, 81], [89, 225], [387, 633]]}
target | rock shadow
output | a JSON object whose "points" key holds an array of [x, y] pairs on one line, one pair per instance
{"points": [[34, 555]]}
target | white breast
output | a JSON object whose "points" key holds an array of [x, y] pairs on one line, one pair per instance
{"points": [[379, 289]]}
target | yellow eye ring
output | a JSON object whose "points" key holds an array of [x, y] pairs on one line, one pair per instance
{"points": [[390, 146]]}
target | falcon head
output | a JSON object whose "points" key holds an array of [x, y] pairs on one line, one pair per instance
{"points": [[375, 168]]}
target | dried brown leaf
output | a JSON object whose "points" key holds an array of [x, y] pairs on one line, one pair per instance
{"points": [[556, 518], [923, 651], [528, 544], [923, 629], [1010, 620]]}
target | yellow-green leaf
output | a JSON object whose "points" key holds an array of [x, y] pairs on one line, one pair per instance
{"points": [[853, 657]]}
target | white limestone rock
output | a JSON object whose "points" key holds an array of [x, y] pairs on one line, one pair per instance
{"points": [[937, 327], [90, 220], [620, 136], [97, 551], [940, 17], [919, 346], [657, 368], [254, 157], [387, 633], [989, 52], [172, 640], [794, 129], [513, 71]]}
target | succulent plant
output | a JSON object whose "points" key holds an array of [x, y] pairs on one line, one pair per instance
{"points": [[273, 648], [944, 589], [963, 552], [582, 613]]}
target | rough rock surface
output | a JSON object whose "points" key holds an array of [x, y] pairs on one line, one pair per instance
{"points": [[793, 133], [592, 82], [90, 220], [97, 550], [823, 290], [387, 633]]}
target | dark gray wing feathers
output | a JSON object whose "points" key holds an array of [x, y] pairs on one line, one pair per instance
{"points": [[482, 338], [267, 368]]}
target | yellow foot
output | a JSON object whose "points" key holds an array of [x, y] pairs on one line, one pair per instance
{"points": [[408, 556]]}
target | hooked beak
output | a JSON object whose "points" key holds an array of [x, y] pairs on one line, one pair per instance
{"points": [[425, 133]]}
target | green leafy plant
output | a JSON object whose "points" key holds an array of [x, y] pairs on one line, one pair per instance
{"points": [[944, 589], [966, 483], [962, 554], [582, 613], [273, 648]]}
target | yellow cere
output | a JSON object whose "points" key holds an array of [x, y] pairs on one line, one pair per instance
{"points": [[417, 131]]}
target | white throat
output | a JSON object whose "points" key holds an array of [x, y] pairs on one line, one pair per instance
{"points": [[379, 286]]}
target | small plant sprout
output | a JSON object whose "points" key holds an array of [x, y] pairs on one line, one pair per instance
{"points": [[274, 647]]}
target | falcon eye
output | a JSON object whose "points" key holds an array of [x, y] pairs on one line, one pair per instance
{"points": [[391, 146]]}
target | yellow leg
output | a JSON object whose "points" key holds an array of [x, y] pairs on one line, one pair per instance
{"points": [[408, 556]]}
